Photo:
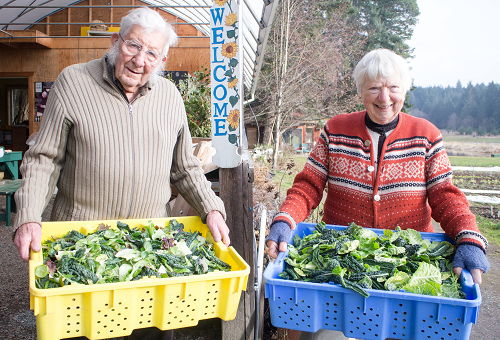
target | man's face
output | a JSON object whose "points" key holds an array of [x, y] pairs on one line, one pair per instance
{"points": [[133, 71]]}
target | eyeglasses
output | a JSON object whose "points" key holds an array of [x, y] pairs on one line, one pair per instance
{"points": [[133, 48]]}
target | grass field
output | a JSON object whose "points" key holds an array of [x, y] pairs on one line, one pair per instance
{"points": [[470, 139], [474, 161]]}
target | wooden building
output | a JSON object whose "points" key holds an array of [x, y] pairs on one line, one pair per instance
{"points": [[58, 41]]}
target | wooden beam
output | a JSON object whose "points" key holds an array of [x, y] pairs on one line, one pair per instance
{"points": [[237, 193], [90, 11], [111, 12], [69, 21], [31, 103]]}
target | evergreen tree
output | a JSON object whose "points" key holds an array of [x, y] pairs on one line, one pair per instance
{"points": [[386, 23], [474, 108]]}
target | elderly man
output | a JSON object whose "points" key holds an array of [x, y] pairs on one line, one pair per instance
{"points": [[113, 138]]}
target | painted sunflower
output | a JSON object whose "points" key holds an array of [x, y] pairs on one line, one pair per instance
{"points": [[221, 2], [232, 84], [234, 119], [229, 50], [231, 19]]}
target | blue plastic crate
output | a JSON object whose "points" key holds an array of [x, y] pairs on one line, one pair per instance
{"points": [[309, 307]]}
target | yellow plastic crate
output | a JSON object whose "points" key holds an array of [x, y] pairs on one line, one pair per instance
{"points": [[115, 309]]}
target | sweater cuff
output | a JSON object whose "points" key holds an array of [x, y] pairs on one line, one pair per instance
{"points": [[26, 215], [216, 204], [285, 217], [470, 236]]}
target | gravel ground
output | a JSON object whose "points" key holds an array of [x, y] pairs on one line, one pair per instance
{"points": [[17, 321]]}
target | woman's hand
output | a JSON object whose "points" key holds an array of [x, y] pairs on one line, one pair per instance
{"points": [[278, 238], [471, 258]]}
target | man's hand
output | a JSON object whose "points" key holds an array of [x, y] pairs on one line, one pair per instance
{"points": [[279, 235], [218, 227], [28, 236], [472, 258]]}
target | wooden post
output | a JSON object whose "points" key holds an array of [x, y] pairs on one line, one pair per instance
{"points": [[69, 21], [90, 11], [236, 190]]}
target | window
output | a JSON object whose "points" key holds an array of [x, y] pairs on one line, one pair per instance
{"points": [[309, 135]]}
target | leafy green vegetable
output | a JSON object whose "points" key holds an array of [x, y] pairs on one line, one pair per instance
{"points": [[359, 259], [125, 254]]}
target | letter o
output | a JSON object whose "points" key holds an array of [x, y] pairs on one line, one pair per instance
{"points": [[224, 93]]}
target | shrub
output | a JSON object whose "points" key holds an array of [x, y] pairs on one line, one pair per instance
{"points": [[196, 93]]}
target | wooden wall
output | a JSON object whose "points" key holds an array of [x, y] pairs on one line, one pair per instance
{"points": [[77, 14], [44, 61]]}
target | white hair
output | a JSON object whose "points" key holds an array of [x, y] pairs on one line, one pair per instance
{"points": [[381, 63], [150, 21]]}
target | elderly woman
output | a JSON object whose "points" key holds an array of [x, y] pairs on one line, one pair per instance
{"points": [[383, 168]]}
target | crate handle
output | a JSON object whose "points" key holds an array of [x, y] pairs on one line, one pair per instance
{"points": [[467, 283], [281, 258], [220, 246]]}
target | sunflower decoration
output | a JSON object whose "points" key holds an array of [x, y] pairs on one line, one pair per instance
{"points": [[229, 50], [233, 119], [221, 2], [231, 19], [232, 84]]}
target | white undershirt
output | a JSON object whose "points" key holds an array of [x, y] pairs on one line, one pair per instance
{"points": [[375, 136]]}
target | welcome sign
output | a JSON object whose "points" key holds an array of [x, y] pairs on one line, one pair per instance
{"points": [[226, 59]]}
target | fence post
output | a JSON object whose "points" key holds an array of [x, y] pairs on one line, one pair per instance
{"points": [[236, 190]]}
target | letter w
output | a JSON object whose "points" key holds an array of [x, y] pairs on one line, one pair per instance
{"points": [[219, 16]]}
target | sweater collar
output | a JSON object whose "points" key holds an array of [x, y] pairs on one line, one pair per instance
{"points": [[381, 129], [109, 75]]}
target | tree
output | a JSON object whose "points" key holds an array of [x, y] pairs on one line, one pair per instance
{"points": [[453, 122], [307, 72], [469, 108], [388, 23], [313, 47]]}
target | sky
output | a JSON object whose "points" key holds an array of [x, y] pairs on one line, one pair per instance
{"points": [[456, 40]]}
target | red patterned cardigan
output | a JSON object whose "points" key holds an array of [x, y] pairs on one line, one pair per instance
{"points": [[413, 182]]}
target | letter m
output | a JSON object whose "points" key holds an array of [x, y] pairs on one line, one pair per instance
{"points": [[218, 110]]}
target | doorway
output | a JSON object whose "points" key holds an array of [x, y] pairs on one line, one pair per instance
{"points": [[15, 106]]}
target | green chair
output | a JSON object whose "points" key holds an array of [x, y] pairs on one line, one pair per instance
{"points": [[9, 188], [298, 148]]}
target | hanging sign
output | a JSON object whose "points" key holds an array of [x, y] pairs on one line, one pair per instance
{"points": [[226, 59]]}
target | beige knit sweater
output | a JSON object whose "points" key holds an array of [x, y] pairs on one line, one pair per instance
{"points": [[110, 159]]}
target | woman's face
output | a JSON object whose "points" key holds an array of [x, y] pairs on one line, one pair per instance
{"points": [[383, 98]]}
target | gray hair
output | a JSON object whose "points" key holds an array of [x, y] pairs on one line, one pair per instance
{"points": [[150, 21], [382, 63]]}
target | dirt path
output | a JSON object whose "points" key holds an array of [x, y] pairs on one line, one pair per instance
{"points": [[488, 325]]}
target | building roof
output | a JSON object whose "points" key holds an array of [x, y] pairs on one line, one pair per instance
{"points": [[18, 15]]}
